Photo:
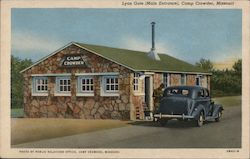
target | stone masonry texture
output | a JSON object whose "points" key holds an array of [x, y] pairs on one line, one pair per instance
{"points": [[122, 107], [96, 107]]}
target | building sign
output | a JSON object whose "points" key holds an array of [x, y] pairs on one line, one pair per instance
{"points": [[74, 61]]}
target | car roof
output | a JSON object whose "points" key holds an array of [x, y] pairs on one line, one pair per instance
{"points": [[187, 87]]}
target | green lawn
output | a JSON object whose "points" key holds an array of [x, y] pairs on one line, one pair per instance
{"points": [[228, 101], [17, 113]]}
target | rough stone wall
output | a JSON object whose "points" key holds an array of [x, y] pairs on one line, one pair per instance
{"points": [[158, 80], [205, 81], [96, 107], [175, 79], [138, 107], [191, 79]]}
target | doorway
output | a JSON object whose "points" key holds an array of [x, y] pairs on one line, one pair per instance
{"points": [[147, 91], [148, 96]]}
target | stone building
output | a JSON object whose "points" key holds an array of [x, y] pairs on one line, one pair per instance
{"points": [[97, 82]]}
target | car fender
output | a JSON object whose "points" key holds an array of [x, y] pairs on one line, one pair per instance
{"points": [[197, 111], [217, 109]]}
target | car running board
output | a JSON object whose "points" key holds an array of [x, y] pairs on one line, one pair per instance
{"points": [[210, 117]]}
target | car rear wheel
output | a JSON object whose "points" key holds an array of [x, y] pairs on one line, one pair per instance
{"points": [[200, 119], [219, 116]]}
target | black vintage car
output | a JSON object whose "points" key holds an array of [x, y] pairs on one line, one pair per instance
{"points": [[187, 103]]}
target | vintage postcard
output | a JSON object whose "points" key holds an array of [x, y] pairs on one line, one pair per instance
{"points": [[124, 79]]}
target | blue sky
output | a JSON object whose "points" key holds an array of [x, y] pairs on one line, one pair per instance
{"points": [[188, 34]]}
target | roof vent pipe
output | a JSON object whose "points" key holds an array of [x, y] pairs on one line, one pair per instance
{"points": [[152, 53], [153, 36]]}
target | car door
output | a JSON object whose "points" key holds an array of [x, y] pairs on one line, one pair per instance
{"points": [[207, 101], [208, 104], [203, 100]]}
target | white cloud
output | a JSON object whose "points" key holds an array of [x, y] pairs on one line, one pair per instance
{"points": [[135, 43], [26, 41]]}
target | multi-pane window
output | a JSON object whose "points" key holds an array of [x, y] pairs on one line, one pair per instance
{"points": [[166, 80], [111, 84], [40, 86], [87, 84], [136, 81], [63, 85]]}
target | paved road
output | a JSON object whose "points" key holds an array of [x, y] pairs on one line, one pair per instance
{"points": [[225, 134]]}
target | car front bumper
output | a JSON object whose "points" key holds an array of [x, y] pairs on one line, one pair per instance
{"points": [[160, 116]]}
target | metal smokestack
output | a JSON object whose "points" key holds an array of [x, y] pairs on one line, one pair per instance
{"points": [[152, 54], [153, 36]]}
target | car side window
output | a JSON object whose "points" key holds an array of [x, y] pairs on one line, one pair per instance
{"points": [[176, 91], [206, 93], [200, 93]]}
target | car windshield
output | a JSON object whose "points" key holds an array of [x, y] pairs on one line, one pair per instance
{"points": [[177, 92]]}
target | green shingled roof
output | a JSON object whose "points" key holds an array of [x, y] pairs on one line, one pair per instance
{"points": [[139, 61]]}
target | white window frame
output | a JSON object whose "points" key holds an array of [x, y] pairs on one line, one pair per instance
{"points": [[166, 76], [136, 82], [104, 91], [183, 75], [138, 87], [35, 84], [80, 85], [57, 88]]}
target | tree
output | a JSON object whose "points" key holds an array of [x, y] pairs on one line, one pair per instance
{"points": [[237, 70], [17, 65], [206, 65], [224, 82], [227, 82], [237, 67]]}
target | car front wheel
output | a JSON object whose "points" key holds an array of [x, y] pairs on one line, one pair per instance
{"points": [[219, 116], [200, 120]]}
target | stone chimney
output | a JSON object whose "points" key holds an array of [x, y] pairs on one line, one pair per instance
{"points": [[152, 53]]}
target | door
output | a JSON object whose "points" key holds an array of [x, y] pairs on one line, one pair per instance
{"points": [[204, 100], [147, 92]]}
